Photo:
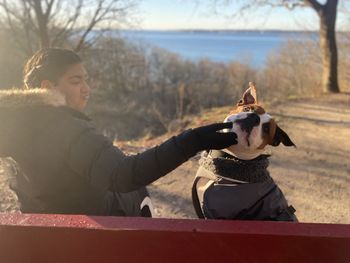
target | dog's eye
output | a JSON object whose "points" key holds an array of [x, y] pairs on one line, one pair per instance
{"points": [[246, 109], [266, 127]]}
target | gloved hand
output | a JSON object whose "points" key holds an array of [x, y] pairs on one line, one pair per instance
{"points": [[206, 137]]}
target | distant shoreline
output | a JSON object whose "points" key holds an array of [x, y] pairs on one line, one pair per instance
{"points": [[222, 31]]}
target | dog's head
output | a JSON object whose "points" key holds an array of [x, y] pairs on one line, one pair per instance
{"points": [[254, 127]]}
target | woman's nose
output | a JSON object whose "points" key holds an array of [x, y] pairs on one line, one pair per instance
{"points": [[86, 87]]}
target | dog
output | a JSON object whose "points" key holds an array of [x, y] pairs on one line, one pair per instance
{"points": [[234, 183]]}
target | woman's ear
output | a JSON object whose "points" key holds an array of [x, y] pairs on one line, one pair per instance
{"points": [[46, 84]]}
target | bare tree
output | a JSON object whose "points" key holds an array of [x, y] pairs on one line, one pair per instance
{"points": [[327, 13], [52, 22]]}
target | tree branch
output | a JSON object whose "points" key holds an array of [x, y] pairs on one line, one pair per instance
{"points": [[315, 5]]}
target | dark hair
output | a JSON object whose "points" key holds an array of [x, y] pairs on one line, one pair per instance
{"points": [[48, 64]]}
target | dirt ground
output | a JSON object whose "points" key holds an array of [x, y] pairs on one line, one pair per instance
{"points": [[315, 176]]}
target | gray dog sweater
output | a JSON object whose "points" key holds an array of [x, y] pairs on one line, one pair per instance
{"points": [[228, 188]]}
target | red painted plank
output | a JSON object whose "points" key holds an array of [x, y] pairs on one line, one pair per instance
{"points": [[67, 238]]}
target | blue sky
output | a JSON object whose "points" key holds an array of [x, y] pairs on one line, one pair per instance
{"points": [[186, 14]]}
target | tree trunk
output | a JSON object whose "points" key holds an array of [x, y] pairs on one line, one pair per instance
{"points": [[44, 36], [328, 45], [42, 19]]}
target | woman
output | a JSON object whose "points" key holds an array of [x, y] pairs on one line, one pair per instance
{"points": [[67, 166]]}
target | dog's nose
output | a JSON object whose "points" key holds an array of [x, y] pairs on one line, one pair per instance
{"points": [[254, 119], [249, 122]]}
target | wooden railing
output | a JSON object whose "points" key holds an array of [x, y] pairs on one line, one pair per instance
{"points": [[75, 238]]}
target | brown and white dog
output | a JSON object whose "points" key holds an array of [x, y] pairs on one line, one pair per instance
{"points": [[234, 183], [254, 127]]}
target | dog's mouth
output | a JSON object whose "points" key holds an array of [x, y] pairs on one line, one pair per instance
{"points": [[247, 139]]}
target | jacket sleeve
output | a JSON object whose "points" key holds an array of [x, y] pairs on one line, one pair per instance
{"points": [[106, 167]]}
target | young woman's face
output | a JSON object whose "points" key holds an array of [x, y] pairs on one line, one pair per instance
{"points": [[73, 84]]}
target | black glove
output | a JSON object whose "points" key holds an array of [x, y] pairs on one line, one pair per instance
{"points": [[141, 169], [206, 137]]}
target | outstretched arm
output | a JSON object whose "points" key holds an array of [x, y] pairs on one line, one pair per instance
{"points": [[107, 167]]}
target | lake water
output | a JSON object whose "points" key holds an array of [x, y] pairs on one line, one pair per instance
{"points": [[219, 46]]}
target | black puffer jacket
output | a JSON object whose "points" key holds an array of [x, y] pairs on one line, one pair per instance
{"points": [[67, 166]]}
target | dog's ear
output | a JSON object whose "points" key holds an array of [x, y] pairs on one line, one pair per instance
{"points": [[249, 96], [281, 137]]}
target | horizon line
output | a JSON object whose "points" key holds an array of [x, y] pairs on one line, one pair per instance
{"points": [[227, 30], [215, 29]]}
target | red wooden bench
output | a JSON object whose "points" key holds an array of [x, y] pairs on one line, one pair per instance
{"points": [[74, 238]]}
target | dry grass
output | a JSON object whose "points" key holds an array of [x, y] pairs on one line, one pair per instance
{"points": [[315, 176]]}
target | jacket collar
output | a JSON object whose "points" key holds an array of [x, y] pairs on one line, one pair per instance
{"points": [[252, 171], [75, 113], [23, 98], [16, 98]]}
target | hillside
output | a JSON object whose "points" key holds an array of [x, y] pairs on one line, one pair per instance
{"points": [[315, 176]]}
